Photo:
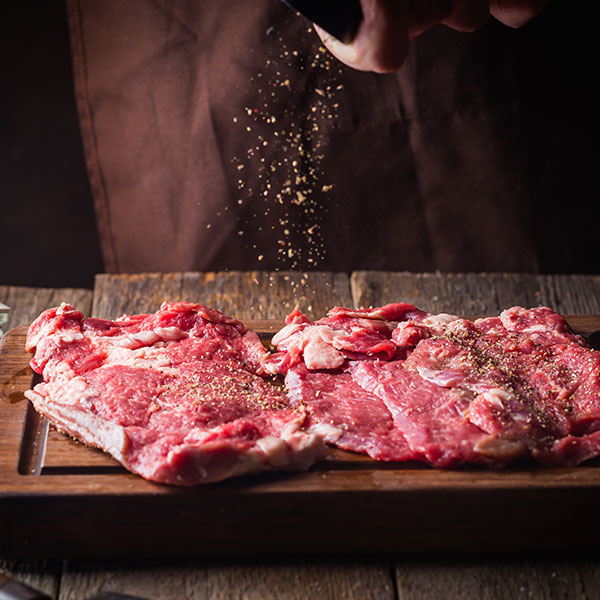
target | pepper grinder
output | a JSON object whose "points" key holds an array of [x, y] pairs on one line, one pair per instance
{"points": [[340, 18]]}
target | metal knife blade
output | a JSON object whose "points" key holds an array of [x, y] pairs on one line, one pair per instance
{"points": [[340, 18], [15, 590]]}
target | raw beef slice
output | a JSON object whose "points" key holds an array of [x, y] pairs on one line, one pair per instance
{"points": [[315, 358], [177, 397], [345, 414], [490, 391]]}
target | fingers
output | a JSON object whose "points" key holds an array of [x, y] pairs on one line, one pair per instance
{"points": [[516, 13], [383, 39], [424, 14], [468, 15], [381, 43]]}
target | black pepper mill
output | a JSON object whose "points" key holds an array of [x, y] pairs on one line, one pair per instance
{"points": [[340, 18]]}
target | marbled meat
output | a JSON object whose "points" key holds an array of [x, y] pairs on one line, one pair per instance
{"points": [[399, 383], [178, 396]]}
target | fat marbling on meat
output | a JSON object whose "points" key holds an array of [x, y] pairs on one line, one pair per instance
{"points": [[489, 391], [177, 396]]}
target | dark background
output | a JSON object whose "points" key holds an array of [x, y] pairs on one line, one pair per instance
{"points": [[47, 230]]}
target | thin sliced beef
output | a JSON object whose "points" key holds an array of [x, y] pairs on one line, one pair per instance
{"points": [[347, 415], [430, 417], [490, 391], [186, 395], [316, 358], [343, 334], [176, 396], [529, 382]]}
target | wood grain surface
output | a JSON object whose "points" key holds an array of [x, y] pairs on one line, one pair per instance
{"points": [[250, 579], [478, 294], [26, 303], [407, 576], [248, 295]]}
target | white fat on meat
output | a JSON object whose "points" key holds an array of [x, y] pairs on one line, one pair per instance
{"points": [[319, 350], [274, 449], [286, 334], [150, 357], [69, 337], [170, 334], [61, 371], [317, 344], [439, 322], [444, 378], [329, 433], [496, 397], [147, 337], [81, 424], [139, 339], [77, 391]]}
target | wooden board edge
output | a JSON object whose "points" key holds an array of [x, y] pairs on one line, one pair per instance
{"points": [[15, 377], [336, 472]]}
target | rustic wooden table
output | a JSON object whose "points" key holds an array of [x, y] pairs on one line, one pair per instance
{"points": [[271, 295]]}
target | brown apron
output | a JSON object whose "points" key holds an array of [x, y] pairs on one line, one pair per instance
{"points": [[219, 135]]}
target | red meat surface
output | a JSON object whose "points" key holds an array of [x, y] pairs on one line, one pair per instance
{"points": [[455, 391], [189, 395], [176, 396]]}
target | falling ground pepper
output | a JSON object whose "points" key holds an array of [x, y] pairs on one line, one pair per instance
{"points": [[286, 129]]}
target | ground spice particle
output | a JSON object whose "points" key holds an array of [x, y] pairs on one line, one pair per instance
{"points": [[292, 150]]}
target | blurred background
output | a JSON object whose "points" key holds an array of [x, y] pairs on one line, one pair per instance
{"points": [[47, 229]]}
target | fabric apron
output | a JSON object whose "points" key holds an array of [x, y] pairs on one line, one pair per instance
{"points": [[221, 135]]}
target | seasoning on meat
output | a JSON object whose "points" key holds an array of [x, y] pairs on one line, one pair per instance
{"points": [[187, 394], [456, 391], [176, 396]]}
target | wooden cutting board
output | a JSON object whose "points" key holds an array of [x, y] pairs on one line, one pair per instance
{"points": [[59, 498]]}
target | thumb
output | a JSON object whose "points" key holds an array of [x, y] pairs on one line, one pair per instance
{"points": [[516, 13], [381, 43]]}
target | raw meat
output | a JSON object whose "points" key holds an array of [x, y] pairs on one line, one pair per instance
{"points": [[530, 385], [188, 395], [178, 396], [490, 391], [343, 334], [345, 414], [315, 358]]}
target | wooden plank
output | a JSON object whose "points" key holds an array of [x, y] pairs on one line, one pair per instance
{"points": [[478, 294], [571, 294], [552, 577], [25, 304], [277, 579], [247, 295], [454, 577]]}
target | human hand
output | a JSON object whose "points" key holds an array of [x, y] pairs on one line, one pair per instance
{"points": [[389, 26]]}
